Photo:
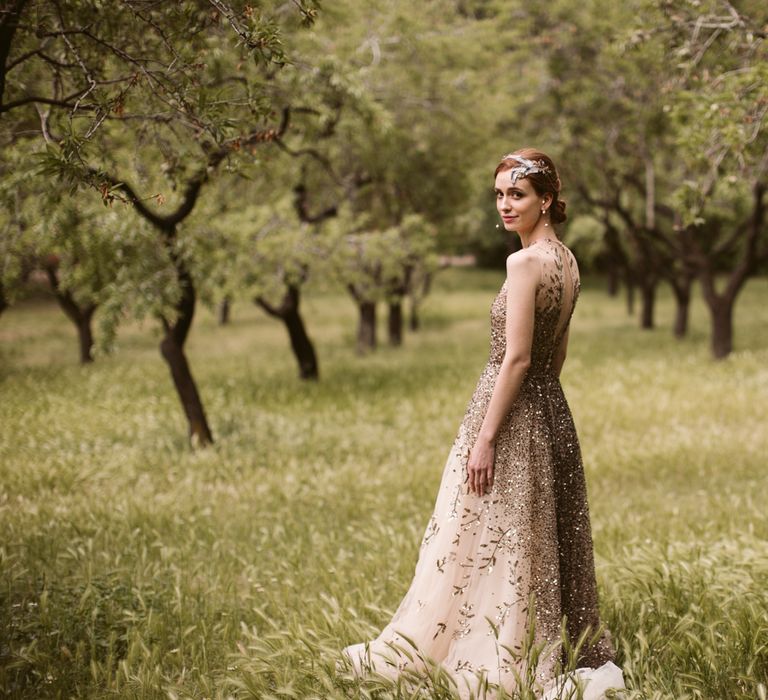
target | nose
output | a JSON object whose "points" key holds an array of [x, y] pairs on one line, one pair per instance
{"points": [[505, 203]]}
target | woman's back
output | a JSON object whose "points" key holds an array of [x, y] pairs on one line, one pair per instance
{"points": [[556, 297]]}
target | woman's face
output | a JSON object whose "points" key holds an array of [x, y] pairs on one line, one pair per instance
{"points": [[518, 204]]}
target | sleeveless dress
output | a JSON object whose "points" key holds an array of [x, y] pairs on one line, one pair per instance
{"points": [[493, 568]]}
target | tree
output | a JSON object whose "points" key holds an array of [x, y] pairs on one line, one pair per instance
{"points": [[265, 252], [719, 109], [669, 146], [379, 265], [184, 86]]}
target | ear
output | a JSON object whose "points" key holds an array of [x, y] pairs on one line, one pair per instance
{"points": [[546, 199]]}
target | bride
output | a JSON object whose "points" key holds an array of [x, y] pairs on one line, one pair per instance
{"points": [[504, 585]]}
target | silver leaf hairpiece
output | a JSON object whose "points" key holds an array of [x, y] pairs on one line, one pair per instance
{"points": [[526, 167]]}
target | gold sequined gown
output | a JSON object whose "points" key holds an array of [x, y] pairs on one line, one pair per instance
{"points": [[481, 558]]}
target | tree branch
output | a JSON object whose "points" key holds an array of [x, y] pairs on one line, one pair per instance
{"points": [[167, 223], [8, 26], [301, 205], [64, 103], [749, 258]]}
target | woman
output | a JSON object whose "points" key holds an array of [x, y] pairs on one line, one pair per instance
{"points": [[509, 545]]}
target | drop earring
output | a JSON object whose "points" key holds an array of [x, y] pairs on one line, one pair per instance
{"points": [[543, 213]]}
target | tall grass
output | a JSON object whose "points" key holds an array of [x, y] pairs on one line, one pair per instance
{"points": [[132, 567]]}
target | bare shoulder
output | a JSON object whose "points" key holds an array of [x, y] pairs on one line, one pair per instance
{"points": [[523, 264]]}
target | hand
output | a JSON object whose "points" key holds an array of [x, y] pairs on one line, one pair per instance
{"points": [[480, 467]]}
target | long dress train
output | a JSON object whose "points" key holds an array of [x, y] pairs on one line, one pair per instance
{"points": [[484, 559]]}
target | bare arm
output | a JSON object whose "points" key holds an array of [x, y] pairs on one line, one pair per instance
{"points": [[522, 279]]}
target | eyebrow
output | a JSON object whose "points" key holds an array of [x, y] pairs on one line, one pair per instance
{"points": [[513, 188]]}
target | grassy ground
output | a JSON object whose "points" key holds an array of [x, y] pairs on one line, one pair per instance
{"points": [[133, 567]]}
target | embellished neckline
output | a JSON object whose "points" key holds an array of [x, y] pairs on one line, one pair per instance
{"points": [[553, 240]]}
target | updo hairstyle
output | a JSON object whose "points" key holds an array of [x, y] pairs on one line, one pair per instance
{"points": [[543, 183]]}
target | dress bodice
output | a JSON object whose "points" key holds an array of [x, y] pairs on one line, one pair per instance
{"points": [[556, 296]]}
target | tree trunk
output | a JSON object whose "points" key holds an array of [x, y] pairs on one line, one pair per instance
{"points": [[416, 295], [752, 254], [224, 311], [722, 327], [81, 316], [682, 291], [9, 22], [648, 296], [680, 329], [414, 320], [173, 354], [366, 330], [301, 345], [288, 313], [630, 296], [172, 350], [395, 323], [613, 281], [85, 335]]}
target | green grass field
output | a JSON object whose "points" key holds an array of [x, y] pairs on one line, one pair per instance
{"points": [[132, 567]]}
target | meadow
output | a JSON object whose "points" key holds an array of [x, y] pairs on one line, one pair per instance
{"points": [[132, 566]]}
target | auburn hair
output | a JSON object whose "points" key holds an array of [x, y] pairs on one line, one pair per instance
{"points": [[543, 183]]}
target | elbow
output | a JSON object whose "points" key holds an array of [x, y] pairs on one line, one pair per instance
{"points": [[520, 362]]}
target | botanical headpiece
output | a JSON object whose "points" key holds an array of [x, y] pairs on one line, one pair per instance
{"points": [[526, 167]]}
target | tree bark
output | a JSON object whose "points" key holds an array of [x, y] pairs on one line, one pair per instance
{"points": [[722, 327], [366, 330], [85, 335], [173, 354], [81, 316], [224, 311], [613, 281], [172, 350], [648, 296], [395, 323], [302, 346], [682, 290], [288, 313], [414, 320], [9, 22], [630, 296]]}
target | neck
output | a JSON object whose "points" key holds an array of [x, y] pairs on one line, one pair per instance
{"points": [[538, 233]]}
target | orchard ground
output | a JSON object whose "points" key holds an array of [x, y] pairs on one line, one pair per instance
{"points": [[134, 567]]}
